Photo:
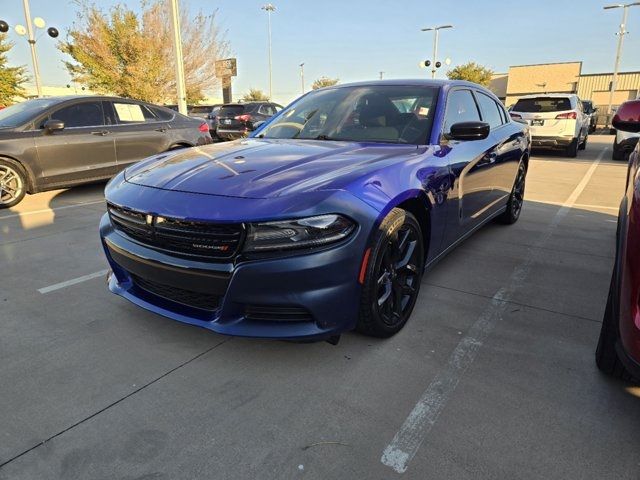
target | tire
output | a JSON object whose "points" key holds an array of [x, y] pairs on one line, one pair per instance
{"points": [[583, 145], [617, 153], [393, 275], [572, 149], [606, 356], [13, 183], [516, 199]]}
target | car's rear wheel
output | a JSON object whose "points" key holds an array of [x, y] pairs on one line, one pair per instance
{"points": [[572, 149], [393, 274], [13, 185], [606, 356], [617, 154], [516, 199]]}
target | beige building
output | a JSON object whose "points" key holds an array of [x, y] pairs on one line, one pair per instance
{"points": [[565, 77]]}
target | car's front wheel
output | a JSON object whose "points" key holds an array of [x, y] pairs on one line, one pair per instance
{"points": [[392, 276], [12, 184]]}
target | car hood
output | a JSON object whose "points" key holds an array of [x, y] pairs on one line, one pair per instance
{"points": [[265, 168]]}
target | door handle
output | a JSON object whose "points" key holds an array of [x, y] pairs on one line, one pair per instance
{"points": [[102, 133], [161, 129]]}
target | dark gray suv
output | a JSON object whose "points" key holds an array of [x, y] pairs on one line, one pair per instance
{"points": [[58, 142]]}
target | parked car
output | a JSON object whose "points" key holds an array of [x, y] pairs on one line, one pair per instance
{"points": [[623, 144], [589, 109], [618, 351], [58, 142], [237, 120], [322, 222], [212, 120], [557, 121]]}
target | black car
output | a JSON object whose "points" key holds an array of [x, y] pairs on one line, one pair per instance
{"points": [[589, 109], [58, 142], [236, 120]]}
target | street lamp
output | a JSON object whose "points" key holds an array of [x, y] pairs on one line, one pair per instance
{"points": [[29, 32], [435, 64], [302, 75], [621, 33], [269, 8]]}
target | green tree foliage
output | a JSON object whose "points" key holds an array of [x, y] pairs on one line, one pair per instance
{"points": [[11, 78], [324, 82], [472, 72], [121, 52], [255, 95]]}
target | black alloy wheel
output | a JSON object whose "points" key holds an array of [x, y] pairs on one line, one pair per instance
{"points": [[516, 199], [393, 275]]}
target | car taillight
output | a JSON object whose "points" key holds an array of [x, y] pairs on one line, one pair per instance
{"points": [[515, 115], [243, 118], [204, 128], [568, 115]]}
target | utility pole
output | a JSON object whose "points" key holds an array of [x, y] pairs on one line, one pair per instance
{"points": [[621, 33], [32, 46], [381, 75], [270, 8], [302, 75], [177, 48], [437, 29]]}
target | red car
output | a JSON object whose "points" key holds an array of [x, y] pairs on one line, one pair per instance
{"points": [[618, 351]]}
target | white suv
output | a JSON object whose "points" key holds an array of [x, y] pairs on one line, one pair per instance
{"points": [[556, 121]]}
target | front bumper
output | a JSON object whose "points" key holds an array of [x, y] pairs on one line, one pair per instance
{"points": [[323, 283], [551, 142]]}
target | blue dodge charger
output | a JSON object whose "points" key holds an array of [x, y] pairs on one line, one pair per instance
{"points": [[325, 220]]}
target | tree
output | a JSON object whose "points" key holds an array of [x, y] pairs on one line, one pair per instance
{"points": [[123, 53], [472, 72], [255, 95], [11, 78], [324, 82]]}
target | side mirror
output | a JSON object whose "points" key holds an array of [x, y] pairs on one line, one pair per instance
{"points": [[627, 118], [53, 125], [469, 131]]}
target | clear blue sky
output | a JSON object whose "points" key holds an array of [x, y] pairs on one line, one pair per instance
{"points": [[356, 39]]}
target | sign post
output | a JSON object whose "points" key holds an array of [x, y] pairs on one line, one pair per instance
{"points": [[225, 69]]}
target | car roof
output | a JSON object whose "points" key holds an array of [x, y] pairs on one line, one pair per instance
{"points": [[549, 95], [409, 82], [67, 98]]}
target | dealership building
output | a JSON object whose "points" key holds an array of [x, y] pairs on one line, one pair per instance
{"points": [[566, 77]]}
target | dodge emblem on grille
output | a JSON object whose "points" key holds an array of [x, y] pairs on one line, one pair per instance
{"points": [[222, 248]]}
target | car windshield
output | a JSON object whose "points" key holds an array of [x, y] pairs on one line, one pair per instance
{"points": [[378, 113], [21, 113], [542, 104]]}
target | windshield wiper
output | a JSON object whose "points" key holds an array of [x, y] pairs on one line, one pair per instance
{"points": [[327, 137]]}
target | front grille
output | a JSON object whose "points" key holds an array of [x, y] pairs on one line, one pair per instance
{"points": [[273, 313], [185, 297], [204, 239]]}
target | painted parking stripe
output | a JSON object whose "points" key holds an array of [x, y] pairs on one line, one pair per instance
{"points": [[424, 415], [73, 281], [48, 210]]}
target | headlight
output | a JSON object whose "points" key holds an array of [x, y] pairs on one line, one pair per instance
{"points": [[301, 233]]}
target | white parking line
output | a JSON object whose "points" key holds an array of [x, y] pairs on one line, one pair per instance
{"points": [[417, 425], [47, 210], [73, 281]]}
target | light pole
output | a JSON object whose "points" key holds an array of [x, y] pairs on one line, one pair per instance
{"points": [[177, 49], [269, 8], [21, 30], [435, 45], [302, 75], [621, 33], [381, 75]]}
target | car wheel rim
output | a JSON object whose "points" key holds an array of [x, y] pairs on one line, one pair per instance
{"points": [[518, 192], [398, 276], [11, 186]]}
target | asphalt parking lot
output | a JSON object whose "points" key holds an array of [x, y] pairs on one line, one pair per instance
{"points": [[494, 376]]}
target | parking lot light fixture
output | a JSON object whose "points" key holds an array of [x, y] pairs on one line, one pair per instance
{"points": [[269, 8], [436, 31], [302, 76], [621, 33]]}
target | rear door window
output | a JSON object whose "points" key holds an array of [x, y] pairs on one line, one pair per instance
{"points": [[489, 109], [133, 113], [163, 114], [461, 107], [542, 104], [85, 114]]}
